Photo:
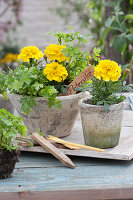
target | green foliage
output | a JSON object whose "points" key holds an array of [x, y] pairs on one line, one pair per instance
{"points": [[3, 84], [120, 27], [71, 37], [10, 126], [120, 43], [78, 59], [93, 16], [50, 93], [39, 132], [27, 103], [28, 80], [119, 24]]}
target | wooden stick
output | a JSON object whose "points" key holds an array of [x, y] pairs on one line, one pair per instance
{"points": [[24, 139], [53, 150], [65, 145], [74, 144], [24, 144], [71, 147]]}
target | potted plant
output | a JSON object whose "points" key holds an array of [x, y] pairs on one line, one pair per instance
{"points": [[40, 83], [101, 115], [10, 126]]}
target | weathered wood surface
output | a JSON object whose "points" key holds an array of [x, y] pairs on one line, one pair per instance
{"points": [[90, 194], [42, 176], [123, 151], [39, 176]]}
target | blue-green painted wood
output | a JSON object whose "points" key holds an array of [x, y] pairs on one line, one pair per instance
{"points": [[28, 157], [39, 172], [65, 179]]}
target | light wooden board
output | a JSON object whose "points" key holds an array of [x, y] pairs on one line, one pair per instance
{"points": [[123, 151]]}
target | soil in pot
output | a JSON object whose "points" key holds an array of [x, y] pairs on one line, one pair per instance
{"points": [[7, 163]]}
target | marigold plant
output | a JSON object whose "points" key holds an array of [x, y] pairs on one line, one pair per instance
{"points": [[50, 74], [107, 70], [106, 84]]}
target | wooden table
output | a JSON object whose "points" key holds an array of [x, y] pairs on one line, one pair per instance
{"points": [[40, 176]]}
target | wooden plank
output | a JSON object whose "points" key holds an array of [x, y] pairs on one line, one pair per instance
{"points": [[84, 153], [120, 152], [34, 160], [53, 150], [89, 194], [61, 178]]}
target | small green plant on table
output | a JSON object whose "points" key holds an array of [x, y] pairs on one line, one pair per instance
{"points": [[10, 127]]}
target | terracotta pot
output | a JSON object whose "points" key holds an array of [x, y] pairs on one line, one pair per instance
{"points": [[7, 163], [101, 128], [50, 121]]}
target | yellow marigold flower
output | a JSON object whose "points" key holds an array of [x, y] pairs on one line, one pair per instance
{"points": [[9, 58], [2, 61], [107, 70], [55, 71], [53, 52], [30, 52]]}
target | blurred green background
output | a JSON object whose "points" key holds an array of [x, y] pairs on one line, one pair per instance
{"points": [[27, 22]]}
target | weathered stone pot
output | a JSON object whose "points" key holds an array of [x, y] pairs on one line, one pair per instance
{"points": [[101, 128], [50, 121], [6, 104]]}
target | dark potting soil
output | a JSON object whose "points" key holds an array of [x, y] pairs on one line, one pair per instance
{"points": [[88, 101], [7, 163]]}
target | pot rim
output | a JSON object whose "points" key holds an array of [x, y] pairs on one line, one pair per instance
{"points": [[73, 96], [86, 105]]}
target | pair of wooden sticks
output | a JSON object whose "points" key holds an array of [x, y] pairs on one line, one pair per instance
{"points": [[47, 145], [72, 145], [55, 151]]}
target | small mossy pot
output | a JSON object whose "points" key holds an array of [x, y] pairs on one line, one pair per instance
{"points": [[50, 121], [101, 128]]}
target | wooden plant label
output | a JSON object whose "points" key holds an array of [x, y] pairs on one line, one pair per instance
{"points": [[53, 150], [84, 76]]}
